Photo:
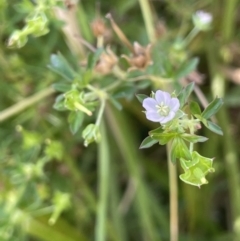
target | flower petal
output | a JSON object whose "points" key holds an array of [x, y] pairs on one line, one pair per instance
{"points": [[174, 104], [153, 116], [162, 96], [150, 104], [168, 118]]}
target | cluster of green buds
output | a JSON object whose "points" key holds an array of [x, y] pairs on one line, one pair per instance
{"points": [[177, 128], [36, 23]]}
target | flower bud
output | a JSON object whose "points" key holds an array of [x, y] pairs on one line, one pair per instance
{"points": [[90, 134], [98, 27], [202, 20], [18, 39], [37, 26]]}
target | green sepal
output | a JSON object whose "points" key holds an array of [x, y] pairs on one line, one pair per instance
{"points": [[212, 108], [141, 97], [196, 169], [195, 108], [179, 150], [59, 65], [75, 120], [185, 93], [193, 138], [148, 142], [71, 98]]}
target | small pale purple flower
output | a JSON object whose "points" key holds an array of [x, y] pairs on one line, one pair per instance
{"points": [[202, 20], [204, 17], [162, 108]]}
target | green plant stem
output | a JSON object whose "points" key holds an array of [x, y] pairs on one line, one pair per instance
{"points": [[100, 113], [148, 19], [173, 185], [23, 104], [190, 36], [100, 231]]}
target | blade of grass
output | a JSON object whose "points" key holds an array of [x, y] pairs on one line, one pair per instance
{"points": [[148, 19]]}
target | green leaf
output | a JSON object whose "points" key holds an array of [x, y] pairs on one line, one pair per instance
{"points": [[195, 108], [156, 131], [59, 65], [193, 138], [212, 108], [148, 142], [75, 120], [62, 87], [185, 93], [186, 68], [116, 103], [164, 138], [213, 127], [125, 91], [59, 103], [196, 169], [179, 150], [141, 97], [93, 58]]}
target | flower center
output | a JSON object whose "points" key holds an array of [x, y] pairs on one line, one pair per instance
{"points": [[162, 109]]}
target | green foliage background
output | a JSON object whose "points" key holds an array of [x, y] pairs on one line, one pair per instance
{"points": [[50, 182]]}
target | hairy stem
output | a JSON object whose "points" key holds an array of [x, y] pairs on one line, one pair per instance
{"points": [[100, 231]]}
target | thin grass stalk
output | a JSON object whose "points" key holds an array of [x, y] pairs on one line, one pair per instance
{"points": [[25, 103], [173, 196], [103, 175], [116, 216], [218, 89], [228, 24], [148, 19]]}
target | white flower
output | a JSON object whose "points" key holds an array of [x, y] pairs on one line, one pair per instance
{"points": [[162, 108]]}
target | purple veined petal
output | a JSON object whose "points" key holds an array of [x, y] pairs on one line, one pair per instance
{"points": [[162, 96], [174, 104], [168, 118], [149, 104], [153, 116]]}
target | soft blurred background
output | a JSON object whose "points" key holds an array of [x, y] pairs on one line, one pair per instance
{"points": [[53, 188]]}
